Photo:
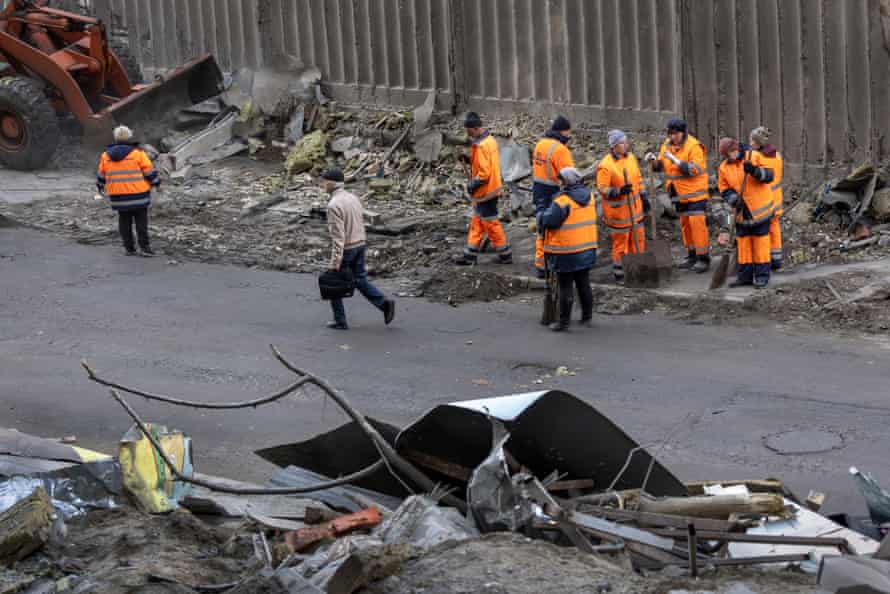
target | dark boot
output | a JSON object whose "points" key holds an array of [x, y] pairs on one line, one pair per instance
{"points": [[559, 326], [464, 260], [761, 283], [689, 262], [739, 283], [702, 265], [334, 325], [389, 311]]}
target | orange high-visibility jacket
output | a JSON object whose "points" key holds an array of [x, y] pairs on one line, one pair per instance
{"points": [[609, 180], [758, 196], [777, 164], [689, 189], [127, 176], [578, 232], [548, 159], [486, 165]]}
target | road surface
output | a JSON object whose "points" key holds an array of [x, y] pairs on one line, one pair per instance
{"points": [[203, 332]]}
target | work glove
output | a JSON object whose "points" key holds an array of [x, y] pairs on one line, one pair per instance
{"points": [[473, 185], [650, 156], [533, 226], [626, 189], [749, 167], [732, 198]]}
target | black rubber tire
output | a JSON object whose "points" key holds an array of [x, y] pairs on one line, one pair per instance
{"points": [[131, 65], [27, 99]]}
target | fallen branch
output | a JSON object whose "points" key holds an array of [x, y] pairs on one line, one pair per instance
{"points": [[194, 404], [365, 472], [855, 245], [386, 450]]}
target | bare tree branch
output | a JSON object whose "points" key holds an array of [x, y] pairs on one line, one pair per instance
{"points": [[403, 466], [367, 471], [194, 404]]}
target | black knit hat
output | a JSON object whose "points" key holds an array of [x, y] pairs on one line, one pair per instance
{"points": [[677, 125], [561, 124], [473, 120], [334, 175]]}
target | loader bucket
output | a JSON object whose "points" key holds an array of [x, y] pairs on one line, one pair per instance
{"points": [[151, 109]]}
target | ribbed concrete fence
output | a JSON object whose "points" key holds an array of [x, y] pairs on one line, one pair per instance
{"points": [[815, 71]]}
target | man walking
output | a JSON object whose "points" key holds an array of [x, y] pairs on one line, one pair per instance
{"points": [[126, 175], [744, 180], [347, 228], [484, 188], [682, 159], [625, 202], [551, 155], [570, 242]]}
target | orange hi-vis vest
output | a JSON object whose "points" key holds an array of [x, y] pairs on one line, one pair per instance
{"points": [[757, 195], [486, 165], [548, 159], [578, 232], [689, 189], [126, 176], [610, 175], [777, 164]]}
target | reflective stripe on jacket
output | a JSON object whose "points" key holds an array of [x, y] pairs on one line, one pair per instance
{"points": [[578, 232], [609, 180], [757, 197], [777, 164], [486, 165], [548, 159], [688, 188]]}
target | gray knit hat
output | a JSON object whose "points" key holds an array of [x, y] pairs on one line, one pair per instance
{"points": [[616, 136]]}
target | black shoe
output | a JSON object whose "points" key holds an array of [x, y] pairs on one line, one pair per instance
{"points": [[619, 278], [132, 253], [389, 311], [338, 325], [688, 263], [463, 261], [147, 252], [737, 283], [587, 322], [761, 284], [559, 326], [702, 266], [540, 274], [775, 266], [504, 259]]}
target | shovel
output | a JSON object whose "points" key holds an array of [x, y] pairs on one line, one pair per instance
{"points": [[661, 248], [640, 270]]}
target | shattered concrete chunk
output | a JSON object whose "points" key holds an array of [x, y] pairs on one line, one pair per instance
{"points": [[308, 152]]}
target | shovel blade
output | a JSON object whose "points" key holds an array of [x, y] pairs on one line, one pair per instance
{"points": [[661, 249], [640, 271]]}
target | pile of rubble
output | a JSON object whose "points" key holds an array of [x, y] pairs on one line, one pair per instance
{"points": [[509, 506]]}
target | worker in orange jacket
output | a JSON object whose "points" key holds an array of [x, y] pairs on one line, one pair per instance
{"points": [[759, 138], [551, 155], [126, 175], [682, 158], [484, 188], [619, 182], [744, 179]]}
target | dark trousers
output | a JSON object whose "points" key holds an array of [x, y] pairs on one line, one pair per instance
{"points": [[581, 281], [125, 221], [354, 260]]}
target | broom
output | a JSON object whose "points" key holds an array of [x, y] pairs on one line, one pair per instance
{"points": [[727, 260]]}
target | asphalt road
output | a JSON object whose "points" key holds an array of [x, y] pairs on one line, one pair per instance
{"points": [[203, 332]]}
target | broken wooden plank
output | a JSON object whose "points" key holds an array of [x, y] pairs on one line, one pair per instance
{"points": [[25, 527], [718, 507], [655, 519], [443, 467], [568, 485], [755, 486]]}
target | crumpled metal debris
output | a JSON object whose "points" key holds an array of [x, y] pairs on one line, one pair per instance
{"points": [[876, 498], [74, 490], [420, 522], [493, 501]]}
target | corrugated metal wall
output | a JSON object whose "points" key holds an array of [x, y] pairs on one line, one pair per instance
{"points": [[815, 71]]}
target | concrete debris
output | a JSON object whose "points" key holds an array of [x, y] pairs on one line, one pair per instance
{"points": [[216, 135], [880, 205], [308, 153]]}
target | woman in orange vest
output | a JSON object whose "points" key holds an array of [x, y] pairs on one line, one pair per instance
{"points": [[551, 155], [682, 159], [618, 181], [570, 242], [773, 158], [744, 180]]}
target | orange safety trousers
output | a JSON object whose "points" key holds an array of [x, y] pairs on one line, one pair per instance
{"points": [[754, 249], [775, 238], [622, 243], [695, 233]]}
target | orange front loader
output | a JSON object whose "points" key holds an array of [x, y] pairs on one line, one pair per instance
{"points": [[54, 63]]}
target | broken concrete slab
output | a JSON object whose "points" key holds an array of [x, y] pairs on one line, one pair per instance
{"points": [[343, 144], [307, 153], [423, 114], [428, 145], [203, 142], [516, 161]]}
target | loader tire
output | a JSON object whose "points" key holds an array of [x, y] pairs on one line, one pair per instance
{"points": [[29, 127], [131, 65]]}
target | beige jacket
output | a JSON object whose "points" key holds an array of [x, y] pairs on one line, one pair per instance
{"points": [[346, 223]]}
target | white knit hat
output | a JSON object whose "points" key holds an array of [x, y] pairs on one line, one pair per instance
{"points": [[122, 134]]}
